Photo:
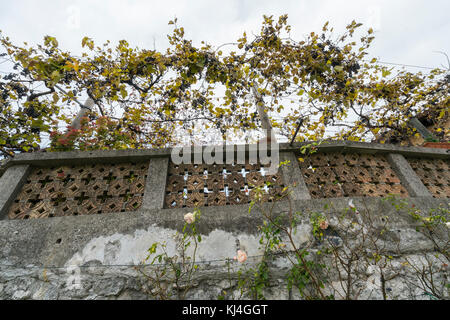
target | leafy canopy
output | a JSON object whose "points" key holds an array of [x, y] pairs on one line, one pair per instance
{"points": [[147, 98]]}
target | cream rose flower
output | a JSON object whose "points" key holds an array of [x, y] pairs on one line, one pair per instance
{"points": [[189, 217], [241, 256], [323, 224]]}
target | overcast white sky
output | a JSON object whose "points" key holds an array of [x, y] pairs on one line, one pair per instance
{"points": [[407, 31]]}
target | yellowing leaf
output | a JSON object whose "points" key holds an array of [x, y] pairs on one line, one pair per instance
{"points": [[123, 92], [55, 97]]}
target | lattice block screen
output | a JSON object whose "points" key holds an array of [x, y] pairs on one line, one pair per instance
{"points": [[332, 175], [435, 175], [80, 190], [191, 185]]}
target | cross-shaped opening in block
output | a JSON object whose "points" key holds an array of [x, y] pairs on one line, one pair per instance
{"points": [[244, 172], [58, 199], [110, 177], [67, 179], [117, 187], [34, 201], [87, 179], [131, 176], [81, 198], [216, 200], [105, 196], [44, 181], [127, 195], [96, 187]]}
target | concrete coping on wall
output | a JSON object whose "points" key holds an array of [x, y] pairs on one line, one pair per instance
{"points": [[135, 155]]}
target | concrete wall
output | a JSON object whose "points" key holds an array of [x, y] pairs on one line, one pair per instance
{"points": [[95, 256]]}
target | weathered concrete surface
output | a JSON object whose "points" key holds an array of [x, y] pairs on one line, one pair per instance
{"points": [[155, 187], [53, 241], [38, 257], [10, 183], [407, 176], [293, 177]]}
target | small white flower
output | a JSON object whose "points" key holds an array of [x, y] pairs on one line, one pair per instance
{"points": [[350, 204], [447, 224]]}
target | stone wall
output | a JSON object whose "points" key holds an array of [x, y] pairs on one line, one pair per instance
{"points": [[102, 256]]}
